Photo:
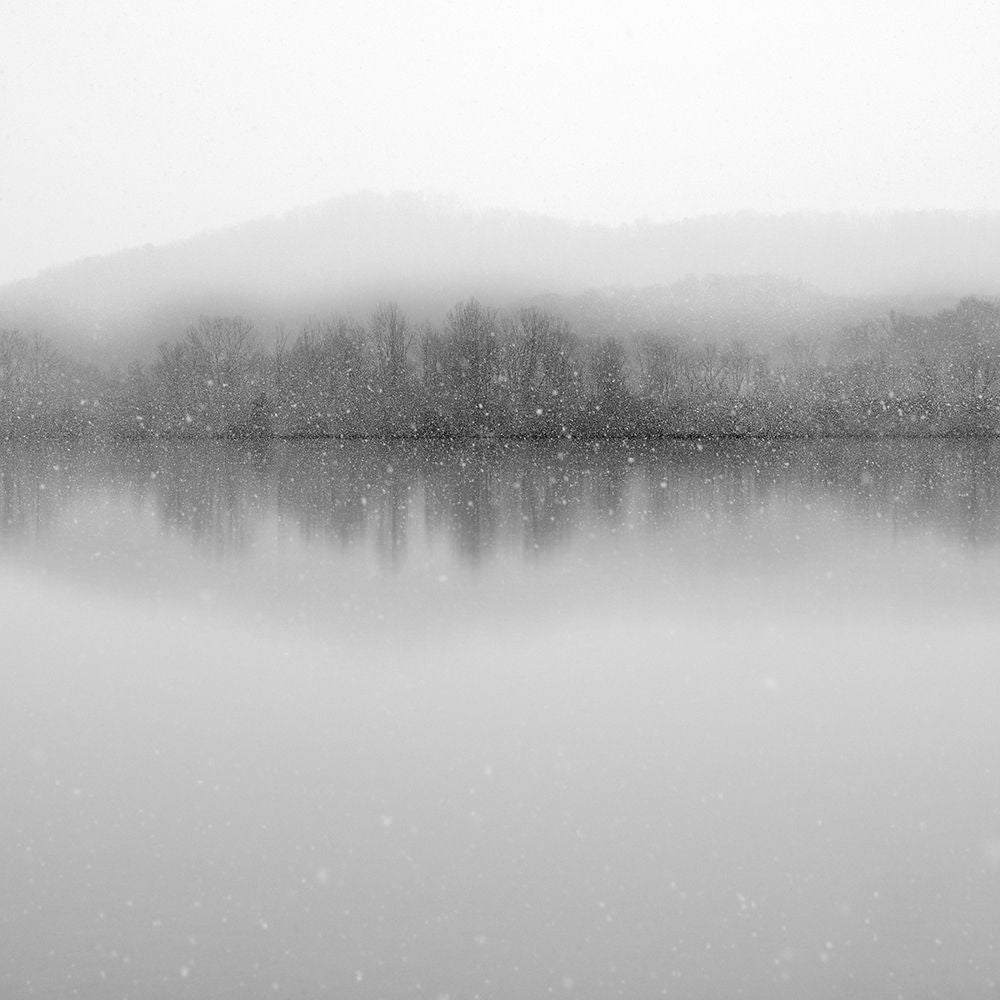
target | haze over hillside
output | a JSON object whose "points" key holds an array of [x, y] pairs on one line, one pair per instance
{"points": [[814, 272]]}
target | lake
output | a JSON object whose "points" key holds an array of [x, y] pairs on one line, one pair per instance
{"points": [[348, 719]]}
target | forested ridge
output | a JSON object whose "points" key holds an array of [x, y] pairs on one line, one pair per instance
{"points": [[520, 373]]}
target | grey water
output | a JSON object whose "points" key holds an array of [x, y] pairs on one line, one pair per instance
{"points": [[347, 719]]}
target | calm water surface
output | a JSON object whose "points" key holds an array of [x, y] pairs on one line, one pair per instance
{"points": [[360, 720]]}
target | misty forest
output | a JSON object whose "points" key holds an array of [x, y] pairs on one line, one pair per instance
{"points": [[499, 501], [403, 603], [521, 373]]}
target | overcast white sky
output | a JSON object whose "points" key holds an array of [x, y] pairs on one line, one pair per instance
{"points": [[126, 122]]}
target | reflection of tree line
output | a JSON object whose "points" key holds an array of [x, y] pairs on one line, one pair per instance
{"points": [[483, 373], [34, 488], [484, 498]]}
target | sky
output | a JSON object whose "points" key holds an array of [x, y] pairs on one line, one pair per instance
{"points": [[125, 123]]}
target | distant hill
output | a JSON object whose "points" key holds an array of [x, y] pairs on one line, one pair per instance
{"points": [[747, 275]]}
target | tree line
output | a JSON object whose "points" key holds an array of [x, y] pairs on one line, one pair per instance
{"points": [[522, 373]]}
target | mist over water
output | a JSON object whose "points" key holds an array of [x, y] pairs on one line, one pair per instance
{"points": [[360, 719]]}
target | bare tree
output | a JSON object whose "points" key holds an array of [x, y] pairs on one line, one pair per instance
{"points": [[710, 367], [471, 332], [975, 347], [659, 364], [741, 367], [540, 366], [391, 341]]}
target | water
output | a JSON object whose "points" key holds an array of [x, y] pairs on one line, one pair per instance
{"points": [[322, 720]]}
